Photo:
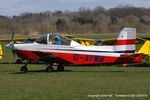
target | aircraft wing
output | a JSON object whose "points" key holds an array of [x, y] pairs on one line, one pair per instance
{"points": [[46, 57], [146, 38], [18, 39], [92, 42], [140, 40], [70, 36], [84, 41], [108, 41]]}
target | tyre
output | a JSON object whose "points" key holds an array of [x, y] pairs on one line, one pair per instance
{"points": [[60, 68], [24, 69], [49, 69]]}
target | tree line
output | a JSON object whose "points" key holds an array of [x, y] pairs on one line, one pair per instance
{"points": [[97, 20]]}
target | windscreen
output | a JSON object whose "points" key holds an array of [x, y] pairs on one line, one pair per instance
{"points": [[42, 40], [62, 39]]}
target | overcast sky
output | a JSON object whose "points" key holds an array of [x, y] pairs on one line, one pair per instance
{"points": [[16, 7]]}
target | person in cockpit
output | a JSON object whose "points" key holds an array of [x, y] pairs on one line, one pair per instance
{"points": [[57, 40]]}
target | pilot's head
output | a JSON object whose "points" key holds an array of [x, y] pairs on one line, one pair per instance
{"points": [[57, 38]]}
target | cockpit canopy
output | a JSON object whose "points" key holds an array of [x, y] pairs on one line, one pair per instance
{"points": [[52, 38]]}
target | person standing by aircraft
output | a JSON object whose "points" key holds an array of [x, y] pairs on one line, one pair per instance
{"points": [[57, 40]]}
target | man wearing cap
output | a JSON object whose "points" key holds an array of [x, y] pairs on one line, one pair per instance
{"points": [[57, 40]]}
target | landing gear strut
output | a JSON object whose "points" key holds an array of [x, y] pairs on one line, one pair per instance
{"points": [[60, 67]]}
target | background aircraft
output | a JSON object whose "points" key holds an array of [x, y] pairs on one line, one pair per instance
{"points": [[71, 52], [1, 52], [145, 49]]}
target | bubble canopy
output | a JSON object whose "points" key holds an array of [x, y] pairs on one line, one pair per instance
{"points": [[50, 39]]}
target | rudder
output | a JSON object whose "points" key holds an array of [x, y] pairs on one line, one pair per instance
{"points": [[126, 41]]}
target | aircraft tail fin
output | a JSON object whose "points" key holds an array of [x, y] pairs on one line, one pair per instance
{"points": [[1, 52], [126, 41]]}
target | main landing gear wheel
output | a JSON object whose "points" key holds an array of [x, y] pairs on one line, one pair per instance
{"points": [[24, 69], [60, 68], [49, 69]]}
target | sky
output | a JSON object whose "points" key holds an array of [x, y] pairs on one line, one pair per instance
{"points": [[16, 7]]}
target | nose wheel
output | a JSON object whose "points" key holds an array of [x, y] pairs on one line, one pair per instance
{"points": [[24, 69], [49, 68]]}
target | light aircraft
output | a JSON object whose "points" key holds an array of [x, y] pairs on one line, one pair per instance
{"points": [[71, 52], [1, 52]]}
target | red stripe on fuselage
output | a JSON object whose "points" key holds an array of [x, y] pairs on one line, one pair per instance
{"points": [[125, 42], [77, 59]]}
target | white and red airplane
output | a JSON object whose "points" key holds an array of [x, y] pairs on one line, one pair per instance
{"points": [[70, 52]]}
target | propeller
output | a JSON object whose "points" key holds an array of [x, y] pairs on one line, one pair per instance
{"points": [[11, 41], [12, 44]]}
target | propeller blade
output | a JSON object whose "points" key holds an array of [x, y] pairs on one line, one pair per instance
{"points": [[12, 38]]}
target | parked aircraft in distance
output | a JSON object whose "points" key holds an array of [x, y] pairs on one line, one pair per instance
{"points": [[145, 50], [54, 48], [1, 52]]}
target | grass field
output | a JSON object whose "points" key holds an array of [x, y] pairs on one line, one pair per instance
{"points": [[76, 83]]}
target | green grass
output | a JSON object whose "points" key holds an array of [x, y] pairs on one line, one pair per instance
{"points": [[76, 83]]}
